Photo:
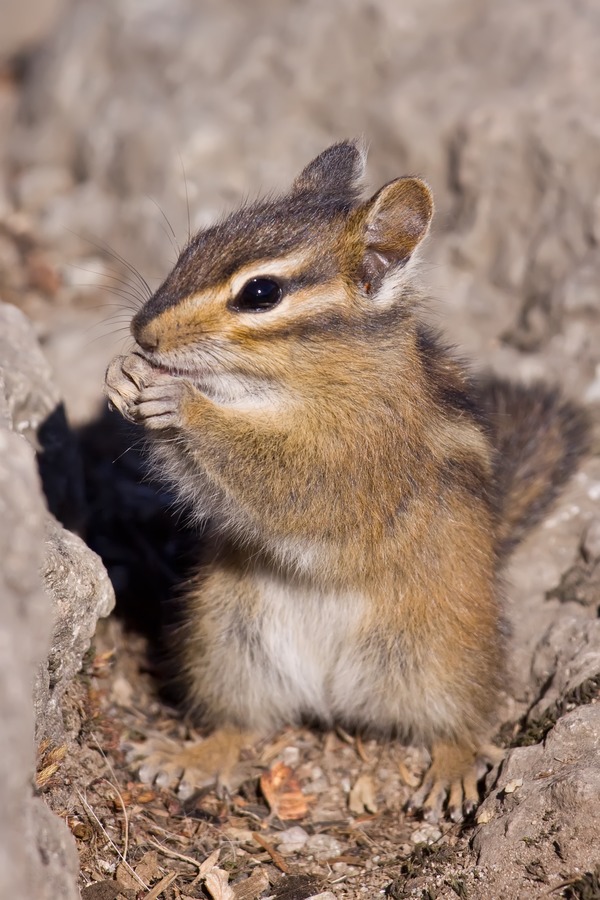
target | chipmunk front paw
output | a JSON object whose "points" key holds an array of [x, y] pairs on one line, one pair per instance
{"points": [[454, 774], [144, 394]]}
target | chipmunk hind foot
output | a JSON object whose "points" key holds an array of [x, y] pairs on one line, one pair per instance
{"points": [[453, 776], [191, 765]]}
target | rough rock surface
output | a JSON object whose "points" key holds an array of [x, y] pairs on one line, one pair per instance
{"points": [[544, 807], [81, 593], [496, 105], [53, 590], [37, 853], [37, 412], [74, 576]]}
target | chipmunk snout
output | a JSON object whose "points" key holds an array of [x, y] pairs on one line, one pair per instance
{"points": [[145, 333]]}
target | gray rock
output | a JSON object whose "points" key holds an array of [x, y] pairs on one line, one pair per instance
{"points": [[43, 633], [75, 579], [540, 184], [57, 874], [81, 593], [567, 656], [37, 853], [545, 805], [292, 840], [323, 846], [36, 412]]}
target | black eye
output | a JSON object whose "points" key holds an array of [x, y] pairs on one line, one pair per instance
{"points": [[258, 295]]}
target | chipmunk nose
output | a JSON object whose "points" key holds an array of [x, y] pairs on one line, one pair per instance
{"points": [[145, 333]]}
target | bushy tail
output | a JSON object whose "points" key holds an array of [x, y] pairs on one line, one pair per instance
{"points": [[540, 438]]}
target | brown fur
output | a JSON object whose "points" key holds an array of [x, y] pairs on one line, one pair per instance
{"points": [[360, 491], [540, 438]]}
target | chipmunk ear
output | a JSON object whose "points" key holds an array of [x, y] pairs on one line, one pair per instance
{"points": [[337, 171], [394, 222]]}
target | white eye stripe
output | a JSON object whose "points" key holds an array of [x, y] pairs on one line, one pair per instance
{"points": [[284, 267]]}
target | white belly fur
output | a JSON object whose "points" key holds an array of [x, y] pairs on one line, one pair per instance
{"points": [[303, 654], [306, 665]]}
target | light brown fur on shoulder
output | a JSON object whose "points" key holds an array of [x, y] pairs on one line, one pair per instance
{"points": [[358, 488]]}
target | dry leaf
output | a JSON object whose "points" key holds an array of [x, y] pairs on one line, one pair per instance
{"points": [[210, 862], [162, 885], [485, 816], [282, 792], [362, 796], [81, 830], [513, 785], [127, 879], [148, 868], [216, 883], [239, 835], [253, 886], [49, 762]]}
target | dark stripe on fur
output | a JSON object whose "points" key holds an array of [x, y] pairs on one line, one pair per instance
{"points": [[540, 438], [450, 387]]}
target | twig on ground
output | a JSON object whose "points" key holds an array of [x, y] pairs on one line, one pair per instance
{"points": [[91, 813], [275, 856]]}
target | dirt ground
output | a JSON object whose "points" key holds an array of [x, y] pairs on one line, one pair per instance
{"points": [[124, 119]]}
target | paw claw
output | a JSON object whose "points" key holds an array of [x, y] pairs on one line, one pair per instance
{"points": [[147, 774], [164, 779], [453, 774], [188, 766], [433, 814], [185, 790], [456, 813], [469, 808]]}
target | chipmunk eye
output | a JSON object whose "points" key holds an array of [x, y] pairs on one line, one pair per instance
{"points": [[258, 295]]}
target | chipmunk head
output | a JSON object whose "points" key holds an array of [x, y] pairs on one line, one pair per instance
{"points": [[302, 265]]}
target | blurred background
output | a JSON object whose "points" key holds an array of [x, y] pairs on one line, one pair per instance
{"points": [[124, 124], [118, 115]]}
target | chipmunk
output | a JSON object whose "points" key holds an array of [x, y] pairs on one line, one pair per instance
{"points": [[362, 492]]}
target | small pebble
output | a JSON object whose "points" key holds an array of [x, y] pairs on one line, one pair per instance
{"points": [[292, 840], [290, 756], [318, 786], [426, 834], [323, 846]]}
